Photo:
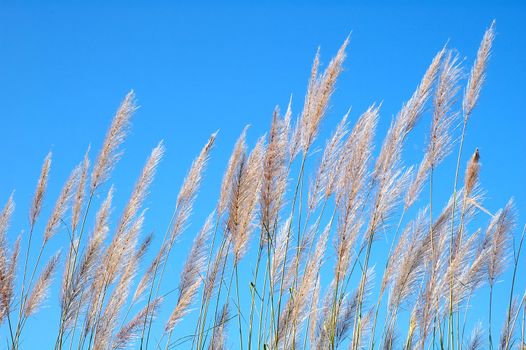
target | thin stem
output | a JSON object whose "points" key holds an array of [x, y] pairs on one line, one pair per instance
{"points": [[10, 327], [76, 252], [22, 317], [22, 298], [204, 303], [516, 264], [523, 324], [309, 256], [270, 302], [457, 171], [226, 242], [153, 282], [385, 268], [287, 243], [356, 332], [252, 301], [168, 340], [260, 325], [238, 308], [489, 323]]}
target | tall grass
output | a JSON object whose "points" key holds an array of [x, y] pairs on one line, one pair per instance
{"points": [[314, 223]]}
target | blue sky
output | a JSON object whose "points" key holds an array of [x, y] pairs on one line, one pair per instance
{"points": [[65, 66]]}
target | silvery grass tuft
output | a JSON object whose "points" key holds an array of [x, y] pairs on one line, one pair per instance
{"points": [[311, 221]]}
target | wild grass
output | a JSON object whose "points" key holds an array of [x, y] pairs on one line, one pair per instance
{"points": [[313, 221]]}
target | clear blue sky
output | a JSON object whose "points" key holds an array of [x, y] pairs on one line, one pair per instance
{"points": [[65, 66]]}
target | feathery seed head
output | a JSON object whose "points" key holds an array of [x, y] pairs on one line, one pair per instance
{"points": [[233, 164], [191, 275], [110, 153], [62, 204], [319, 92], [38, 198], [478, 72], [40, 290], [79, 195]]}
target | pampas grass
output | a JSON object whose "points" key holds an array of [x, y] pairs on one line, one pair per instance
{"points": [[286, 259]]}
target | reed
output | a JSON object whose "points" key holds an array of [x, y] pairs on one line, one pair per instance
{"points": [[306, 226]]}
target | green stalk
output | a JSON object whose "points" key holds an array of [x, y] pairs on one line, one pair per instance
{"points": [[457, 170], [523, 324], [238, 308], [10, 327], [380, 296], [287, 244], [356, 333], [204, 305], [168, 340], [21, 319], [223, 268], [99, 314], [309, 255], [76, 251], [357, 325], [153, 283], [260, 325], [490, 307], [22, 298], [252, 301], [516, 263], [270, 302]]}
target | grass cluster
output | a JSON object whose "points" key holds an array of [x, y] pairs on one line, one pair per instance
{"points": [[312, 232]]}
